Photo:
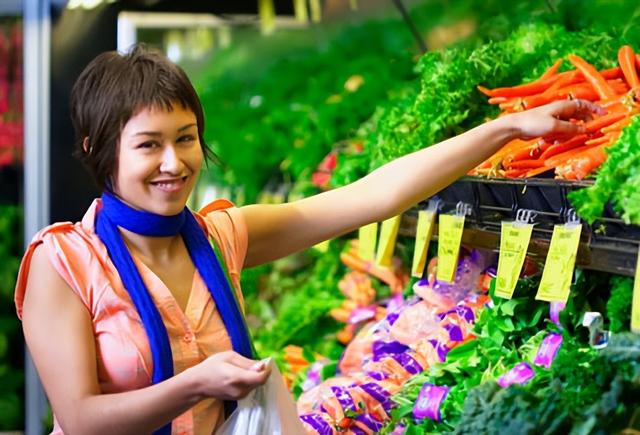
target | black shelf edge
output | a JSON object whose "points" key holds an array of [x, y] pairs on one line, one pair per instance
{"points": [[608, 245]]}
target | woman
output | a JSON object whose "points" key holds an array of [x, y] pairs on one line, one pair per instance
{"points": [[146, 334]]}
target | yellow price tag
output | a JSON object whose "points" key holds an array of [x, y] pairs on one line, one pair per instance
{"points": [[558, 267], [387, 243], [635, 306], [449, 237], [424, 231], [322, 246], [367, 238], [267, 16], [300, 10], [316, 10], [514, 241]]}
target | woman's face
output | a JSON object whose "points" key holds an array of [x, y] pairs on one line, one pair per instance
{"points": [[158, 160]]}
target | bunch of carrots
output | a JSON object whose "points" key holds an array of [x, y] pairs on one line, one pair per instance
{"points": [[615, 90]]}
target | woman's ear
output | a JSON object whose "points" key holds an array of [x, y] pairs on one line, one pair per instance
{"points": [[86, 146]]}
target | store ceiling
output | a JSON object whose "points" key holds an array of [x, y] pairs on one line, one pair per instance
{"points": [[282, 7]]}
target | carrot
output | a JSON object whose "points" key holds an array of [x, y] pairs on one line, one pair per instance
{"points": [[340, 314], [534, 87], [497, 100], [562, 158], [561, 147], [582, 91], [583, 164], [612, 73], [513, 105], [526, 153], [525, 164], [384, 274], [626, 59], [592, 75], [603, 121], [553, 69], [616, 126], [598, 141], [514, 173]]}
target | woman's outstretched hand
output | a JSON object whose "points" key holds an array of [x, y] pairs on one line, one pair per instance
{"points": [[552, 120]]}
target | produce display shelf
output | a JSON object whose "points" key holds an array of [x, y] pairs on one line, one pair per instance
{"points": [[607, 245]]}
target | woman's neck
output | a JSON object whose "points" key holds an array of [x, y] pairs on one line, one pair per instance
{"points": [[151, 249]]}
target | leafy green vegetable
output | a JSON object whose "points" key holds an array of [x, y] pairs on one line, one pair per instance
{"points": [[618, 180], [301, 317], [619, 304], [449, 103], [11, 356]]}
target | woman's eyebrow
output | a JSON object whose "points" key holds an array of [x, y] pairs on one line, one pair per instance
{"points": [[157, 133], [193, 124]]}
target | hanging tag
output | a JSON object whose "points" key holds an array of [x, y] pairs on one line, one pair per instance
{"points": [[367, 238], [635, 306], [561, 259], [300, 8], [598, 337], [316, 11], [424, 231], [323, 246], [267, 15], [387, 243], [450, 230], [514, 241]]}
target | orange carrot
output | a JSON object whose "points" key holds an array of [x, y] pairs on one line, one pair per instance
{"points": [[626, 59], [562, 147], [553, 69], [562, 158], [525, 153], [525, 164], [598, 141], [616, 126], [603, 121], [497, 100], [592, 75], [583, 164], [530, 88]]}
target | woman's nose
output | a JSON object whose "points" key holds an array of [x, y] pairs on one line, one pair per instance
{"points": [[171, 161]]}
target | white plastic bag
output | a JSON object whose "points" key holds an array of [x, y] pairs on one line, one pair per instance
{"points": [[267, 410]]}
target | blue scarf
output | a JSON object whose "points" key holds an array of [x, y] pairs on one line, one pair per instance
{"points": [[116, 213]]}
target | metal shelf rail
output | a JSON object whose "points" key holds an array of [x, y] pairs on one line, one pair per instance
{"points": [[607, 245]]}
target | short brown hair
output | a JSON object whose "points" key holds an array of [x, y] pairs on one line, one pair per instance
{"points": [[112, 89]]}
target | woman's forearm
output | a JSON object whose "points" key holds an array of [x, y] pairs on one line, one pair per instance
{"points": [[276, 231], [404, 182], [134, 412]]}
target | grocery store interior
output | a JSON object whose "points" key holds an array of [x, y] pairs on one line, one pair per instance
{"points": [[505, 302]]}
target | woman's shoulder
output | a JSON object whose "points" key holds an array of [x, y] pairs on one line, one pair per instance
{"points": [[224, 222], [70, 250]]}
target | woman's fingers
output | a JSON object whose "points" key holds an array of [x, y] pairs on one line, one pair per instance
{"points": [[240, 361], [577, 109]]}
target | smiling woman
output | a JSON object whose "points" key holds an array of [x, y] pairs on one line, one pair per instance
{"points": [[159, 160], [148, 332]]}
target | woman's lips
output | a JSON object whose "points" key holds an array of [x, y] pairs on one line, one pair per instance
{"points": [[170, 186]]}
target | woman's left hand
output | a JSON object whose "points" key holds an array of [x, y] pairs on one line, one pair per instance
{"points": [[552, 120]]}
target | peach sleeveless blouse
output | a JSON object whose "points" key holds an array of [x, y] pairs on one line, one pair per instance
{"points": [[123, 352]]}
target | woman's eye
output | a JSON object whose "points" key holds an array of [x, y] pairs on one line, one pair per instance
{"points": [[149, 144], [186, 138]]}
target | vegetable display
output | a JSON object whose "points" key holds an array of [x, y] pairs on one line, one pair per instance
{"points": [[615, 90], [518, 365]]}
